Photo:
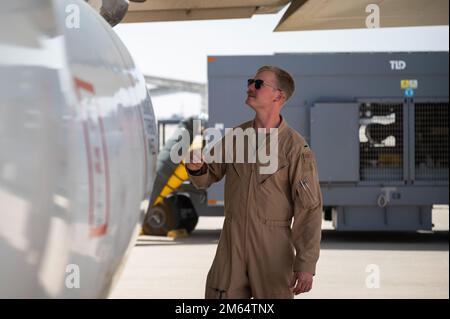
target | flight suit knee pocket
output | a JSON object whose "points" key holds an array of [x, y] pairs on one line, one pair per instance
{"points": [[215, 293]]}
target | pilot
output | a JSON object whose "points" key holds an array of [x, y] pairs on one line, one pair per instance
{"points": [[270, 241]]}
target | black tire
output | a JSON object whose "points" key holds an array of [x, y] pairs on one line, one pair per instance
{"points": [[175, 212], [186, 212], [159, 220]]}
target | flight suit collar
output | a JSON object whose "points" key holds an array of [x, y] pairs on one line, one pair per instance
{"points": [[281, 128]]}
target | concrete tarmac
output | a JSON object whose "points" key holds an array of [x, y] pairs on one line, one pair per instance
{"points": [[352, 265]]}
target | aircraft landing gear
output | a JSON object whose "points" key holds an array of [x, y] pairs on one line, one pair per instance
{"points": [[175, 212]]}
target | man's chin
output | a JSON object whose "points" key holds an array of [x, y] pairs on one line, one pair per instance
{"points": [[248, 101]]}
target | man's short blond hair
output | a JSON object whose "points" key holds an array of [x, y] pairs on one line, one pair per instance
{"points": [[284, 79]]}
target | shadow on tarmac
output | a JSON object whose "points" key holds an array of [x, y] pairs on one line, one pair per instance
{"points": [[331, 239]]}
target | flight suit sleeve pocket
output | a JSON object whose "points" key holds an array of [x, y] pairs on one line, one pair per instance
{"points": [[308, 193]]}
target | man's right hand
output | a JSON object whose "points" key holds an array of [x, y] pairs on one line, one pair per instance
{"points": [[196, 161]]}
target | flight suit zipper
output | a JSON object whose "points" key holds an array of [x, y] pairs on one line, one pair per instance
{"points": [[247, 213]]}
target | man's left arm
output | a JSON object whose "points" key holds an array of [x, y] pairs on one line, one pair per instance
{"points": [[306, 229]]}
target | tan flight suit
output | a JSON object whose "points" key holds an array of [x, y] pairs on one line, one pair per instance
{"points": [[258, 250]]}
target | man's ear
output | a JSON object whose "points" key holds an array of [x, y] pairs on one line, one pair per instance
{"points": [[279, 96]]}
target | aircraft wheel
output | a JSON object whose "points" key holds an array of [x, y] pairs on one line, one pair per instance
{"points": [[175, 212]]}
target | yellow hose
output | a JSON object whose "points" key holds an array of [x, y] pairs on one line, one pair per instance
{"points": [[179, 175], [175, 180]]}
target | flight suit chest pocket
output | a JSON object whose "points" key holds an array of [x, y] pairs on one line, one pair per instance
{"points": [[279, 176]]}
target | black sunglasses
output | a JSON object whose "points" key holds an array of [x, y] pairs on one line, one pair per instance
{"points": [[259, 83]]}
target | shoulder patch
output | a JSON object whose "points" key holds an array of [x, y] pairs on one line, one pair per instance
{"points": [[308, 159], [308, 155]]}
